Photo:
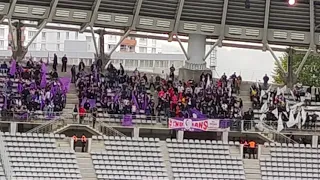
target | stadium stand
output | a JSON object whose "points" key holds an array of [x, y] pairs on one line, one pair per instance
{"points": [[35, 156], [127, 158], [290, 162], [204, 160]]}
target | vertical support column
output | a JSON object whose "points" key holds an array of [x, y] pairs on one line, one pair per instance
{"points": [[259, 150], [180, 135], [241, 150], [196, 52], [72, 143], [135, 132], [315, 139], [225, 136], [290, 74], [89, 142], [13, 127], [19, 53]]}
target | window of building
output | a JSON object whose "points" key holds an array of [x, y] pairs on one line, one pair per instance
{"points": [[112, 38], [150, 63], [153, 50], [31, 34], [58, 47], [157, 64], [131, 48], [143, 40], [2, 32], [43, 46], [77, 35], [142, 50], [123, 48], [58, 35], [1, 43], [33, 46], [67, 35], [88, 38], [111, 46], [154, 42], [43, 36]]}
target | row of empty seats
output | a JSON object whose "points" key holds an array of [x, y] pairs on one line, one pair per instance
{"points": [[129, 158], [34, 156]]}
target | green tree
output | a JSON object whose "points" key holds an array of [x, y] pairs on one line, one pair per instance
{"points": [[310, 73]]}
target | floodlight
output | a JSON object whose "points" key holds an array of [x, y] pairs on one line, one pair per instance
{"points": [[291, 2]]}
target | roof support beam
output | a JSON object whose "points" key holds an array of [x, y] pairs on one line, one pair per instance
{"points": [[303, 62], [94, 40], [13, 44], [177, 20], [11, 9], [93, 17], [136, 15], [52, 10], [312, 26], [182, 48], [265, 26], [212, 48], [223, 21], [276, 59]]}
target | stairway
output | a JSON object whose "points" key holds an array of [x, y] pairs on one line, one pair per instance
{"points": [[86, 166], [166, 158], [252, 169]]}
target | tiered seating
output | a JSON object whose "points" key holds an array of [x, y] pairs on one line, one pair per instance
{"points": [[194, 159], [2, 173], [34, 156], [291, 162], [128, 158]]}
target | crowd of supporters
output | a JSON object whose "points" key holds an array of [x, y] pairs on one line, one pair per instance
{"points": [[120, 92], [29, 87]]}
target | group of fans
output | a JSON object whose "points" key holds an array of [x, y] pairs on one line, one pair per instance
{"points": [[117, 92], [26, 89]]}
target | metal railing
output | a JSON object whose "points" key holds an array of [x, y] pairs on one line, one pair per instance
{"points": [[108, 130], [49, 126], [29, 116], [5, 158]]}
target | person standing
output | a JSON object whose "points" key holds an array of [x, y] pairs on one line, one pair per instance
{"points": [[73, 74], [94, 112], [252, 149], [84, 142], [82, 113], [55, 62], [81, 66], [75, 139], [64, 63]]}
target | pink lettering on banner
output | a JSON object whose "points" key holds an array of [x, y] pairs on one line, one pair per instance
{"points": [[191, 125], [201, 125]]}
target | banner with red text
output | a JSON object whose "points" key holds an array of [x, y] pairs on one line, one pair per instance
{"points": [[198, 124]]}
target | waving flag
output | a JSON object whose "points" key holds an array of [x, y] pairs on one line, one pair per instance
{"points": [[280, 123], [291, 121], [13, 67]]}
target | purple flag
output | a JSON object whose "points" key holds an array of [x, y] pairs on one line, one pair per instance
{"points": [[134, 99], [65, 83], [44, 68], [13, 67], [43, 83], [198, 113], [20, 88], [145, 102], [92, 102], [127, 120]]}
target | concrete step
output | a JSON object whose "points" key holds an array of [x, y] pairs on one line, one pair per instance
{"points": [[253, 176]]}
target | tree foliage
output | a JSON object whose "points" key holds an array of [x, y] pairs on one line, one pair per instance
{"points": [[310, 73]]}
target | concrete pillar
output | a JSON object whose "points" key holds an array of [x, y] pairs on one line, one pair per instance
{"points": [[259, 150], [180, 135], [20, 51], [195, 66], [315, 141], [224, 137], [136, 132], [89, 142], [13, 127], [72, 143], [241, 150]]}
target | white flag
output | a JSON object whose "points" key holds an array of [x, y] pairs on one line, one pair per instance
{"points": [[275, 113], [262, 117], [278, 91], [264, 107], [303, 116], [280, 123], [298, 120], [208, 82], [287, 106], [291, 121], [283, 90], [262, 94], [297, 105], [293, 96], [269, 89]]}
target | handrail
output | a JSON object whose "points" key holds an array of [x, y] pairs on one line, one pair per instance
{"points": [[42, 126], [4, 158], [271, 129], [113, 131]]}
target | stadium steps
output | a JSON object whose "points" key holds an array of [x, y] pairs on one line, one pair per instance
{"points": [[166, 158], [98, 146], [252, 169], [63, 144], [86, 166]]}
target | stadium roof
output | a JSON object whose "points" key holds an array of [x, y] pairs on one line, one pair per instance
{"points": [[272, 21]]}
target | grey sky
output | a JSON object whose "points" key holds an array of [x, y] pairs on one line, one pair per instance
{"points": [[251, 64]]}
